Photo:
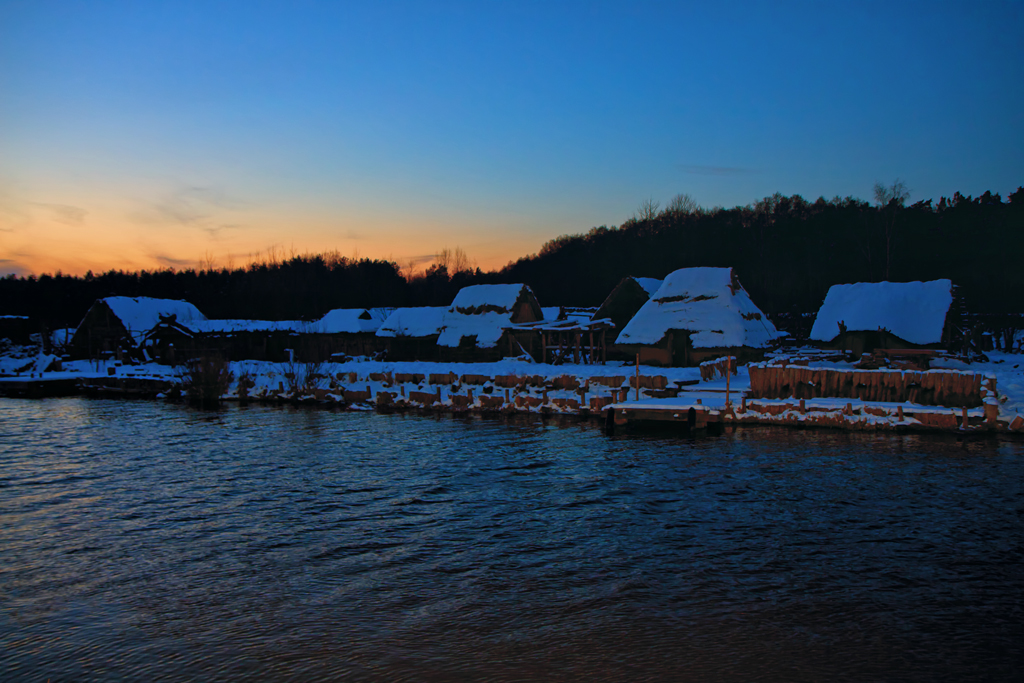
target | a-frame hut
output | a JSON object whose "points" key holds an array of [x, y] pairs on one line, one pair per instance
{"points": [[697, 314], [473, 327], [866, 316], [625, 300]]}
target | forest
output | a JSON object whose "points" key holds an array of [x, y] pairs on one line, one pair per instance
{"points": [[787, 252]]}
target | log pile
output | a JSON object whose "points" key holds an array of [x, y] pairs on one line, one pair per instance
{"points": [[930, 387]]}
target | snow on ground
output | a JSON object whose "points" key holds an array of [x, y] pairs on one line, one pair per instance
{"points": [[269, 377]]}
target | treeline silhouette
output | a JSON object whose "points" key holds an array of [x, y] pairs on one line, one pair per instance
{"points": [[786, 251]]}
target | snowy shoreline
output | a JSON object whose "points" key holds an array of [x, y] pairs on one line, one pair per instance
{"points": [[519, 386]]}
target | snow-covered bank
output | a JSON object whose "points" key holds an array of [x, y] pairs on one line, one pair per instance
{"points": [[515, 385]]}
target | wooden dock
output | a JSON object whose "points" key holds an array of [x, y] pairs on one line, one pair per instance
{"points": [[37, 387], [709, 412]]}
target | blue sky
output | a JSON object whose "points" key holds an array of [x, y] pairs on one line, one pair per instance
{"points": [[140, 135]]}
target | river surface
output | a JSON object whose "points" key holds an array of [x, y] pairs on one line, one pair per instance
{"points": [[148, 541]]}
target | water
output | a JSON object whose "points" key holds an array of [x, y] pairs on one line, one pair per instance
{"points": [[145, 541]]}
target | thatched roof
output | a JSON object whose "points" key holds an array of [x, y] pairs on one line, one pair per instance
{"points": [[709, 303]]}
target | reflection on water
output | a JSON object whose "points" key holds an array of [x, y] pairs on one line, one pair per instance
{"points": [[148, 541]]}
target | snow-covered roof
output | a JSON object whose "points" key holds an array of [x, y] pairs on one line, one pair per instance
{"points": [[649, 284], [708, 302], [551, 312], [914, 311], [62, 336], [475, 296], [413, 322], [480, 310], [229, 326], [351, 320], [140, 314]]}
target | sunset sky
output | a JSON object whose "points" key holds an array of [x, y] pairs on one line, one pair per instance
{"points": [[155, 134]]}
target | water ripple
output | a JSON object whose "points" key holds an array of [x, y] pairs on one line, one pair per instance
{"points": [[149, 541]]}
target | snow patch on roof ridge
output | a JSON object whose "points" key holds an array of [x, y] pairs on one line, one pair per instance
{"points": [[352, 320], [229, 326]]}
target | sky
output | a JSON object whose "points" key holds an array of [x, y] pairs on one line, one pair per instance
{"points": [[145, 135]]}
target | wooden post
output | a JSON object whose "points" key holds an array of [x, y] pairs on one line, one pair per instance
{"points": [[592, 359], [604, 347], [638, 376], [576, 348], [728, 372], [963, 424], [899, 412], [543, 347]]}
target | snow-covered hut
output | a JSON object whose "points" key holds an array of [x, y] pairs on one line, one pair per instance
{"points": [[350, 331], [697, 314], [865, 316], [625, 300], [173, 341], [473, 327], [118, 325], [410, 334]]}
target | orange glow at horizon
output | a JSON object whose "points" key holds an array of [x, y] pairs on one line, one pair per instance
{"points": [[47, 239]]}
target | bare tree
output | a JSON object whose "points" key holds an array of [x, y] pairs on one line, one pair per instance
{"points": [[890, 199], [453, 260], [682, 203], [897, 192], [648, 210], [208, 263]]}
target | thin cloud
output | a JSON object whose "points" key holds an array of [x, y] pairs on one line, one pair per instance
{"points": [[64, 213], [353, 235], [419, 260], [12, 267], [216, 230], [192, 205], [171, 262], [697, 169]]}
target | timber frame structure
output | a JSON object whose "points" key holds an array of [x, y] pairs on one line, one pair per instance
{"points": [[584, 340]]}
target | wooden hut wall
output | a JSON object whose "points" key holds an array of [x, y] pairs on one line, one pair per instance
{"points": [[471, 353], [101, 333], [622, 304], [320, 347], [676, 350], [866, 341], [411, 348]]}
